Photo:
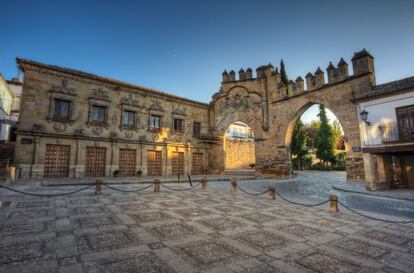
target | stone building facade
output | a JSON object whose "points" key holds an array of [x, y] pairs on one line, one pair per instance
{"points": [[74, 124], [77, 124]]}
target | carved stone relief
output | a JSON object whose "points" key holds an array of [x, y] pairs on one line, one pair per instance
{"points": [[63, 88], [97, 131], [59, 126], [156, 106], [99, 94], [129, 134], [129, 100]]}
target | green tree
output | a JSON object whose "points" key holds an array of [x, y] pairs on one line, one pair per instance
{"points": [[324, 140], [283, 76], [299, 147], [312, 130], [336, 134]]}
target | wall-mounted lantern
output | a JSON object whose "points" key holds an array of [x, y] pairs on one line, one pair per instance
{"points": [[364, 117]]}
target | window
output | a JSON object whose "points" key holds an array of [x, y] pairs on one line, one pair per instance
{"points": [[61, 109], [155, 122], [98, 114], [405, 121], [196, 129], [178, 125], [128, 118]]}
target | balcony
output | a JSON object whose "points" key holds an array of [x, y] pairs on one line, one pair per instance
{"points": [[385, 138], [377, 135], [389, 133]]}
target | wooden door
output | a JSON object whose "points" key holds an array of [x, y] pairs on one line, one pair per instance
{"points": [[405, 120], [154, 163], [57, 160], [177, 163], [198, 163], [95, 161], [127, 160]]}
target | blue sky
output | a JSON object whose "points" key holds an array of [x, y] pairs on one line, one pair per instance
{"points": [[182, 47]]}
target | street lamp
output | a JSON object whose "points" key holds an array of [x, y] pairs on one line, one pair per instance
{"points": [[364, 117]]}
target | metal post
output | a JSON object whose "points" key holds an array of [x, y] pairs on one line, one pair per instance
{"points": [[157, 187], [98, 186], [271, 192], [233, 185], [333, 203], [203, 184]]}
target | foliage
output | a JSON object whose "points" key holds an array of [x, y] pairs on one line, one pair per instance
{"points": [[336, 134], [324, 139], [305, 163], [320, 167], [283, 76], [299, 147], [339, 162], [312, 130]]}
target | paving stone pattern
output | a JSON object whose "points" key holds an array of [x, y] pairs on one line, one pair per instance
{"points": [[193, 231]]}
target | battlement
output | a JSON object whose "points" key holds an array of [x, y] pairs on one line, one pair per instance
{"points": [[362, 63]]}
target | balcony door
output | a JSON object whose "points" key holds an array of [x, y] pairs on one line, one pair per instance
{"points": [[405, 120]]}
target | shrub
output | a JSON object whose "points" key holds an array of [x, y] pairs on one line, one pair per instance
{"points": [[339, 162], [320, 167]]}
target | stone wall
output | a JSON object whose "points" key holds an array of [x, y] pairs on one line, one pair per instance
{"points": [[272, 109], [38, 128], [239, 154]]}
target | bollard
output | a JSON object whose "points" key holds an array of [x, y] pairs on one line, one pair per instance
{"points": [[157, 183], [271, 192], [233, 185], [333, 203], [203, 184], [98, 186]]}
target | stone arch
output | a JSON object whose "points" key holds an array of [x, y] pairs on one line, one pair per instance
{"points": [[346, 112], [295, 114], [251, 120]]}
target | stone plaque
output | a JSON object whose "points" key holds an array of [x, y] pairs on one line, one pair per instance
{"points": [[356, 149], [26, 140]]}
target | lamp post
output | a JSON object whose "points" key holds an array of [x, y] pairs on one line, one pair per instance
{"points": [[364, 117]]}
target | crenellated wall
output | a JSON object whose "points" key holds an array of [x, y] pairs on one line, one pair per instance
{"points": [[272, 109]]}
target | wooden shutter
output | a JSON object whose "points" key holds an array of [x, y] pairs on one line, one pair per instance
{"points": [[154, 163], [95, 161], [127, 159], [405, 120], [57, 160], [198, 163], [177, 162]]}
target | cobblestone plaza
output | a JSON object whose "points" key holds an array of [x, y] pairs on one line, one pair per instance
{"points": [[193, 231]]}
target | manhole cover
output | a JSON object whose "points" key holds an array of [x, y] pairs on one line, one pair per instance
{"points": [[5, 204]]}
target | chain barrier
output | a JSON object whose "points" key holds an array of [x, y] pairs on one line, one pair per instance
{"points": [[301, 204], [374, 218], [46, 195], [195, 186], [186, 189], [251, 193], [121, 190]]}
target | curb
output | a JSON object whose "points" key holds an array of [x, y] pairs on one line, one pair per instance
{"points": [[375, 194]]}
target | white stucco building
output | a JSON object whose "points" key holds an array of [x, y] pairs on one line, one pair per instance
{"points": [[387, 135], [239, 130], [6, 100]]}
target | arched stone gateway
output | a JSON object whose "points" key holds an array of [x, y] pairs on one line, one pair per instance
{"points": [[272, 109]]}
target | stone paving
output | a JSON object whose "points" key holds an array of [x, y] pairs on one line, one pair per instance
{"points": [[193, 231]]}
